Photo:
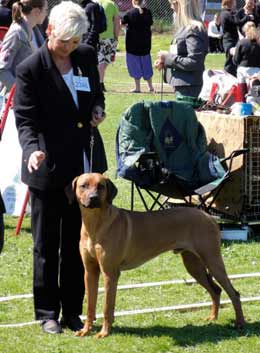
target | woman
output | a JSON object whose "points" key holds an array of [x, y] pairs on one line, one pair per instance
{"points": [[184, 64], [228, 22], [58, 105], [215, 34], [20, 41], [247, 53], [245, 14], [138, 23]]}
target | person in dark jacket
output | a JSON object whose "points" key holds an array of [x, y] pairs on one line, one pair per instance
{"points": [[5, 14], [91, 37], [138, 40], [245, 14], [247, 53], [228, 22], [58, 105]]}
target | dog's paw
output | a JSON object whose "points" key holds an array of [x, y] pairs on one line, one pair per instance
{"points": [[101, 334], [211, 317], [83, 332]]}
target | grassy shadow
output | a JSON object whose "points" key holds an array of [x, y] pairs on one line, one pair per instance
{"points": [[191, 335]]}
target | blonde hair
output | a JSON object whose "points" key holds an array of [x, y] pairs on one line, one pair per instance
{"points": [[188, 15], [249, 29], [68, 20]]}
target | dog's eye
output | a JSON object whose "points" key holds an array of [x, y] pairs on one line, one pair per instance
{"points": [[83, 186], [101, 186]]}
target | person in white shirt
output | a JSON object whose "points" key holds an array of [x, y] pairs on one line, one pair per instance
{"points": [[215, 34]]}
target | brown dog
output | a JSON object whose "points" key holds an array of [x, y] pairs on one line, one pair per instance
{"points": [[113, 240]]}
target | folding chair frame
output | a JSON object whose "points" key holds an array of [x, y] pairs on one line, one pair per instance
{"points": [[203, 194]]}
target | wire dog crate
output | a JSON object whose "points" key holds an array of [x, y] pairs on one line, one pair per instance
{"points": [[240, 198], [252, 170]]}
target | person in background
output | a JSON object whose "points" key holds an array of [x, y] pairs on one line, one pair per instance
{"points": [[257, 14], [215, 34], [5, 14], [108, 39], [184, 63], [91, 37], [245, 14], [228, 23], [138, 40], [247, 53], [58, 105], [20, 41]]}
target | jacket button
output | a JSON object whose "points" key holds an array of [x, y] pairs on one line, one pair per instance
{"points": [[79, 125]]}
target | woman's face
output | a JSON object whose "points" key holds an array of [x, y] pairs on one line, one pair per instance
{"points": [[174, 5], [40, 14], [250, 4], [60, 47]]}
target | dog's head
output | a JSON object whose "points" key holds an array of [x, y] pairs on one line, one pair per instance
{"points": [[92, 190]]}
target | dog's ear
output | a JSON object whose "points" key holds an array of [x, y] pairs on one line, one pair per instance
{"points": [[111, 191], [70, 190]]}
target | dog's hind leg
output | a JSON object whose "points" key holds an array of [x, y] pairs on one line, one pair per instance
{"points": [[197, 270], [217, 269]]}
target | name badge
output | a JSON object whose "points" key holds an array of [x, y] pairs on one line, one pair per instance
{"points": [[81, 83], [173, 49]]}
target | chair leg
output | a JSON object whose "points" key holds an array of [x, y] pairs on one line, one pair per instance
{"points": [[132, 195], [142, 198]]}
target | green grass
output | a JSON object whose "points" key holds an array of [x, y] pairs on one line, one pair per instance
{"points": [[151, 333]]}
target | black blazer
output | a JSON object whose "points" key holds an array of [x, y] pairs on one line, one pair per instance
{"points": [[228, 23], [2, 205], [48, 119]]}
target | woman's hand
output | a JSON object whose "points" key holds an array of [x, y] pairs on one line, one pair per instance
{"points": [[159, 62], [232, 51], [98, 115], [35, 160]]}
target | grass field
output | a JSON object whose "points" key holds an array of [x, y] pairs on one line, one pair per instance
{"points": [[161, 332]]}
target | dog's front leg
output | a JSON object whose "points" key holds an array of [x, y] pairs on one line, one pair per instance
{"points": [[92, 273], [110, 287]]}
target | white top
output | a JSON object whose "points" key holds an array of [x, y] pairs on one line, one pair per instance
{"points": [[213, 30], [68, 78]]}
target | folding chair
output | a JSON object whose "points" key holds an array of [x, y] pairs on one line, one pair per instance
{"points": [[162, 150]]}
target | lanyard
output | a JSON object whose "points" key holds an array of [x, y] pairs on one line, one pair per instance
{"points": [[91, 150]]}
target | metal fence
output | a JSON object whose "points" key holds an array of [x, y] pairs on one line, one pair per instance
{"points": [[161, 10]]}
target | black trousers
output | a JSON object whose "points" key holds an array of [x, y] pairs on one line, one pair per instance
{"points": [[191, 91], [58, 274], [215, 45], [229, 65]]}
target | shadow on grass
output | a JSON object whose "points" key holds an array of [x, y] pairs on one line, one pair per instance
{"points": [[190, 334]]}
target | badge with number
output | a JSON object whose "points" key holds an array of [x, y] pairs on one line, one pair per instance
{"points": [[81, 83]]}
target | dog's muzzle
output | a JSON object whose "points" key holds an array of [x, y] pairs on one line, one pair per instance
{"points": [[93, 201]]}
